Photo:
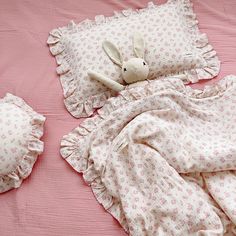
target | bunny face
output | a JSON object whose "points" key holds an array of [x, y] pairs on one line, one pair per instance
{"points": [[135, 69]]}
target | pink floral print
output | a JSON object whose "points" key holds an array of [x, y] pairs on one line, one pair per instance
{"points": [[161, 158], [173, 45], [20, 131]]}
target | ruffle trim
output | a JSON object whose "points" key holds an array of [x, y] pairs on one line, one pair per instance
{"points": [[74, 146], [75, 106], [212, 63], [85, 108], [35, 145], [211, 90]]}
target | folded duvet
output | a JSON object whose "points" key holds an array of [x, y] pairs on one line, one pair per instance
{"points": [[161, 158]]}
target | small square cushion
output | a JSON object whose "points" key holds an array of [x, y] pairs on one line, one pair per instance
{"points": [[173, 42], [20, 131]]}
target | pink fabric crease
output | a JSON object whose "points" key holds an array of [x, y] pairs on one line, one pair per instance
{"points": [[53, 200]]}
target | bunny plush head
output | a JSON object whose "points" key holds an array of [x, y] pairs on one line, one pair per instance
{"points": [[135, 69]]}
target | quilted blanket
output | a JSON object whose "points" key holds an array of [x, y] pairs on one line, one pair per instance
{"points": [[161, 158]]}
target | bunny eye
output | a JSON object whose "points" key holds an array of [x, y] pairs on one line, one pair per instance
{"points": [[144, 63], [125, 69]]}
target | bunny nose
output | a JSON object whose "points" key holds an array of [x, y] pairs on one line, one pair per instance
{"points": [[136, 68]]}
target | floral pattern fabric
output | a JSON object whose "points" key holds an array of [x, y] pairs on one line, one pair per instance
{"points": [[20, 131], [173, 43], [161, 158]]}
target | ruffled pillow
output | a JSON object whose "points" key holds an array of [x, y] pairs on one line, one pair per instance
{"points": [[20, 131], [174, 45]]}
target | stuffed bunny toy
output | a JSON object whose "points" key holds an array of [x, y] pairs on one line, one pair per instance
{"points": [[133, 70]]}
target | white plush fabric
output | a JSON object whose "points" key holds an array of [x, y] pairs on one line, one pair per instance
{"points": [[174, 45], [132, 70], [136, 70], [20, 131]]}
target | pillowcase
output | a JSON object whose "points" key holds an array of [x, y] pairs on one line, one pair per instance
{"points": [[174, 45], [20, 131]]}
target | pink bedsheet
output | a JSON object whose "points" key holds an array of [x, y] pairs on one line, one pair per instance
{"points": [[54, 200]]}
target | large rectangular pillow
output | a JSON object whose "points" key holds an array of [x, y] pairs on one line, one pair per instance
{"points": [[173, 42]]}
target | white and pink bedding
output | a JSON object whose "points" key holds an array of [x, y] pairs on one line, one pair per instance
{"points": [[161, 158], [54, 200], [173, 45], [20, 131]]}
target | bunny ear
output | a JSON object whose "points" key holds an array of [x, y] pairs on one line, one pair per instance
{"points": [[139, 45], [113, 52]]}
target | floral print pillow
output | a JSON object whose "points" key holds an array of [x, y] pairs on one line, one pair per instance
{"points": [[20, 131], [174, 45]]}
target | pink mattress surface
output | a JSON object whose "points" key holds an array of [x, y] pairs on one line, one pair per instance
{"points": [[54, 200]]}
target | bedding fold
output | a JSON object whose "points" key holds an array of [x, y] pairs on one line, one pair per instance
{"points": [[161, 157]]}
